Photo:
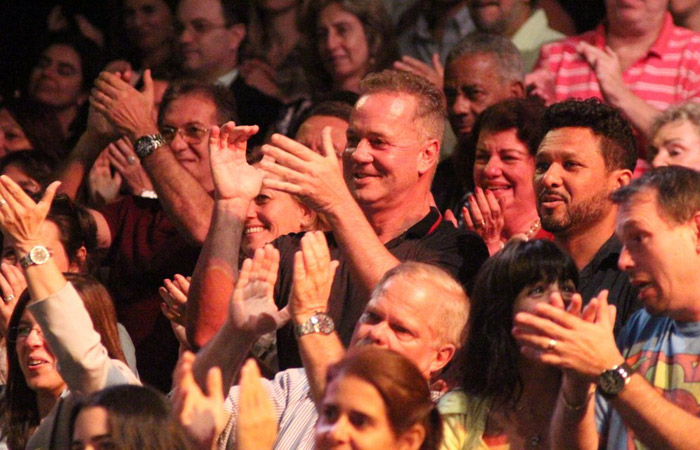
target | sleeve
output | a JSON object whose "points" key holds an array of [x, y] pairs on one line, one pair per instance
{"points": [[83, 361]]}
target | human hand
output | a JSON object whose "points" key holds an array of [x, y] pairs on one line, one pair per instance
{"points": [[253, 311], [261, 76], [123, 157], [540, 82], [314, 177], [20, 216], [435, 73], [606, 65], [174, 306], [104, 186], [12, 284], [128, 109], [313, 277], [485, 217], [123, 67], [201, 414], [233, 176], [256, 428], [582, 346]]}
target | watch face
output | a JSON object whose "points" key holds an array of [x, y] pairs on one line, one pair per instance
{"points": [[39, 255], [611, 382], [325, 325]]}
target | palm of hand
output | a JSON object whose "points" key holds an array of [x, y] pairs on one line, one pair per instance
{"points": [[254, 310], [233, 176]]}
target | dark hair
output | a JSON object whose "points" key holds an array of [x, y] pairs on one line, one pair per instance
{"points": [[505, 54], [523, 114], [34, 164], [431, 106], [617, 144], [18, 406], [40, 124], [332, 108], [400, 384], [490, 358], [90, 54], [376, 23], [138, 416], [677, 191], [235, 11], [221, 97], [77, 229]]}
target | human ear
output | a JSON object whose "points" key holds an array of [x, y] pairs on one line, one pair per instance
{"points": [[237, 33], [517, 89], [413, 438], [428, 156], [443, 355]]}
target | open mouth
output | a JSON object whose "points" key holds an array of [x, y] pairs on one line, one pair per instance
{"points": [[35, 363], [252, 230]]}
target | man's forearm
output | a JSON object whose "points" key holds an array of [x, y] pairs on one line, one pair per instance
{"points": [[318, 352], [183, 198], [640, 113], [216, 272], [657, 422], [80, 161]]}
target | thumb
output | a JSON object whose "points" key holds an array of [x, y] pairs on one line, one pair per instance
{"points": [[148, 85], [437, 65], [214, 383], [49, 194], [328, 149]]}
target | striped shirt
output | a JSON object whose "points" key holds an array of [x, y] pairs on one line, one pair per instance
{"points": [[669, 73]]}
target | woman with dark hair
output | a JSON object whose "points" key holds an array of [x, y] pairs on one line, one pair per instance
{"points": [[28, 125], [32, 170], [126, 417], [62, 78], [344, 41], [505, 398], [505, 138], [390, 396], [58, 342]]}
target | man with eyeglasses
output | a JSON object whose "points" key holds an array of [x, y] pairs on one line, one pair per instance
{"points": [[210, 35], [148, 239]]}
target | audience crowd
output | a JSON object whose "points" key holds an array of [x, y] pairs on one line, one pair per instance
{"points": [[299, 224]]}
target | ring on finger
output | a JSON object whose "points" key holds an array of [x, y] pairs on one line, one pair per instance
{"points": [[483, 223], [2, 201], [131, 159], [9, 298], [551, 344]]}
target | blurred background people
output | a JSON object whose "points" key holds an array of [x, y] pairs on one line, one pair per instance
{"points": [[675, 137]]}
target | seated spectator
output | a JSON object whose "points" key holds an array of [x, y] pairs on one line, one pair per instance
{"points": [[125, 417], [52, 348], [344, 40], [675, 137], [272, 61], [503, 205], [686, 13], [28, 125], [146, 35], [334, 114], [31, 170], [520, 21], [645, 388], [504, 397], [62, 78], [638, 61]]}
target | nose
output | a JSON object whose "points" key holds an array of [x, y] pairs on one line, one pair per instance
{"points": [[178, 143], [378, 334], [625, 262], [332, 40], [34, 339], [461, 105], [361, 153], [338, 432], [551, 177], [252, 212], [493, 167], [660, 160], [186, 35]]}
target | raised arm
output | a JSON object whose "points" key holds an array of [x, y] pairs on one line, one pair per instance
{"points": [[311, 287], [236, 184], [183, 198], [318, 181]]}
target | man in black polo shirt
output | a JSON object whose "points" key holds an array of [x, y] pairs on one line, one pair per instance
{"points": [[379, 214], [588, 150]]}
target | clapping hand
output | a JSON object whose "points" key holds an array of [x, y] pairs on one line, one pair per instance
{"points": [[233, 177], [174, 307], [485, 217], [435, 73], [20, 217], [257, 425]]}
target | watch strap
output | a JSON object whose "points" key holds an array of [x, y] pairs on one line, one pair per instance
{"points": [[145, 145], [318, 323], [613, 381]]}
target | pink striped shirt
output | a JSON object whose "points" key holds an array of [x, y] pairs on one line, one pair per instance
{"points": [[668, 74]]}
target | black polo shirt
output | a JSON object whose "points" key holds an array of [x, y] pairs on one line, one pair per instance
{"points": [[431, 240]]}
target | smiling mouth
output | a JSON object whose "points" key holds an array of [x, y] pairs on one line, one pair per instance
{"points": [[33, 363], [252, 230]]}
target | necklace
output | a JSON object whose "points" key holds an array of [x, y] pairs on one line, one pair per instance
{"points": [[533, 229]]}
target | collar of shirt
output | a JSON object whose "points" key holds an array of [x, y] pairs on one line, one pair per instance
{"points": [[227, 79], [658, 48]]}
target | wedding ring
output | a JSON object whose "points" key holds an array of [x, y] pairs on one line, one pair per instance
{"points": [[9, 298], [483, 222], [551, 345], [2, 201], [131, 159]]}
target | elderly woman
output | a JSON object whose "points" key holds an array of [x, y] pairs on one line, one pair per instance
{"points": [[345, 40], [503, 203], [676, 137]]}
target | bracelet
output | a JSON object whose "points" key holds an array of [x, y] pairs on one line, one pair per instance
{"points": [[571, 407]]}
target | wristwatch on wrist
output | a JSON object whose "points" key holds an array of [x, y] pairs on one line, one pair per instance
{"points": [[145, 145], [612, 381], [318, 323], [37, 255]]}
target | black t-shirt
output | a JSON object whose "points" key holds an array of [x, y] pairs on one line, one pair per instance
{"points": [[432, 240]]}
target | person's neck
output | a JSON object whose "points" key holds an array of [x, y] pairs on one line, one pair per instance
{"points": [[350, 84], [65, 117], [632, 40], [437, 15], [45, 402], [514, 26], [582, 245], [391, 220], [518, 222]]}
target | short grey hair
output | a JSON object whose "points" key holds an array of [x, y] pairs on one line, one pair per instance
{"points": [[451, 302], [505, 53], [689, 111]]}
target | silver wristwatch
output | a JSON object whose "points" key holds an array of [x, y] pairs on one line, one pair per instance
{"points": [[37, 255], [318, 323], [146, 145]]}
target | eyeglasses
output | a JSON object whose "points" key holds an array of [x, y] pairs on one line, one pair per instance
{"points": [[198, 27], [192, 134], [23, 332]]}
